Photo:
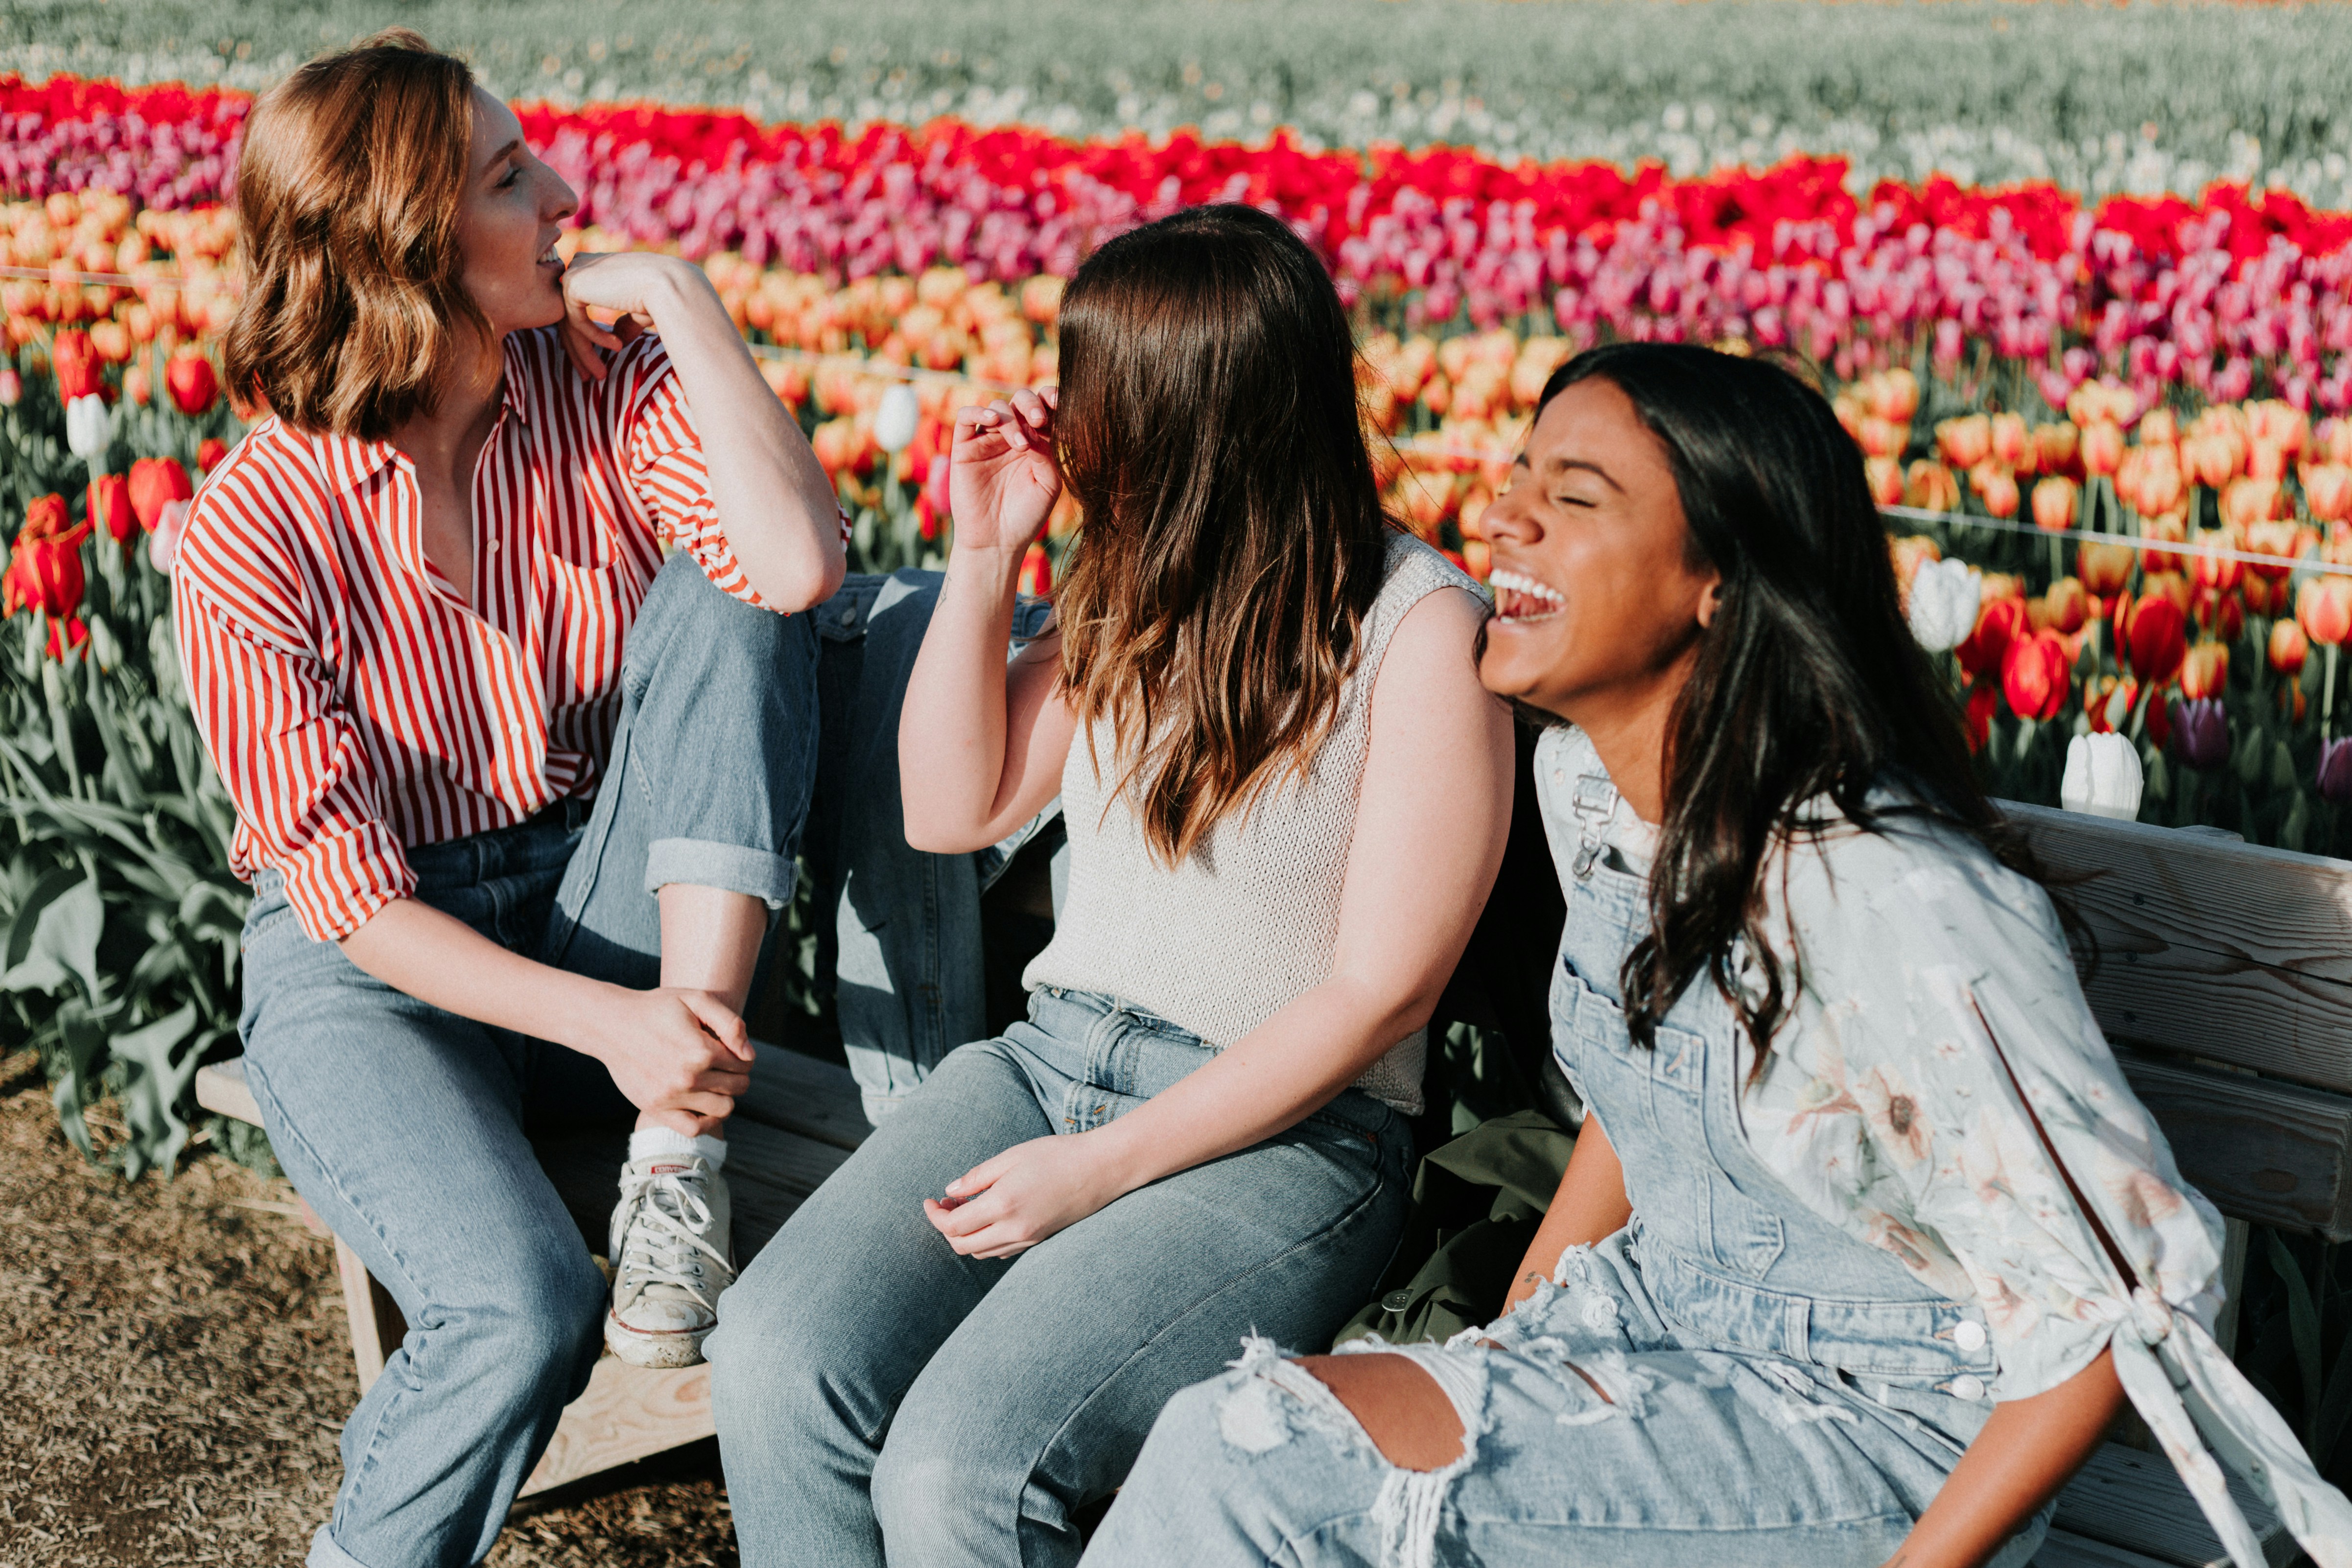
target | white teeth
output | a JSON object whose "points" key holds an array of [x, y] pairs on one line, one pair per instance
{"points": [[1513, 582]]}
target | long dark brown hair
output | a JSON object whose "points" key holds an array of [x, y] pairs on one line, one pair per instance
{"points": [[1233, 538], [1808, 683]]}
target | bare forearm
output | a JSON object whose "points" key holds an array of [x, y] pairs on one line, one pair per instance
{"points": [[774, 501], [1590, 1204], [437, 959], [1280, 1074], [951, 730], [2028, 1450]]}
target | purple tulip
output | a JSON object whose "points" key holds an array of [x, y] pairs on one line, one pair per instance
{"points": [[2200, 732], [2336, 771]]}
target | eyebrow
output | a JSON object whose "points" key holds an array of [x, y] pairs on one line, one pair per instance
{"points": [[502, 154], [1560, 464]]}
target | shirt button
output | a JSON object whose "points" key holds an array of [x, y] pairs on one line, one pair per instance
{"points": [[1969, 1386], [1969, 1336]]}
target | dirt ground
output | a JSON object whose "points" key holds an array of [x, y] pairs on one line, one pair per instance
{"points": [[174, 1372]]}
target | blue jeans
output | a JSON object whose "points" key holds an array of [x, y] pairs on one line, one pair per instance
{"points": [[1730, 1377], [881, 1399], [405, 1125]]}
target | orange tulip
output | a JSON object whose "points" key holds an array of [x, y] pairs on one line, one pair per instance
{"points": [[2102, 448], [1885, 476], [2154, 638], [2328, 491], [2012, 443], [1893, 396], [2158, 427], [2251, 500], [1909, 554], [2265, 460], [1883, 437], [1996, 486], [2034, 675], [2205, 670], [2054, 446], [1929, 486], [2161, 487], [2054, 501], [2211, 458], [2067, 606], [2289, 647], [2214, 573], [2324, 610], [2105, 569], [2332, 442], [1965, 442]]}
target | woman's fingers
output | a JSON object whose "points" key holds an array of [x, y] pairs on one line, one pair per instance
{"points": [[723, 1023]]}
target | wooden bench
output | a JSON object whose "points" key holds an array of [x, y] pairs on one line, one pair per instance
{"points": [[2225, 983], [797, 1124]]}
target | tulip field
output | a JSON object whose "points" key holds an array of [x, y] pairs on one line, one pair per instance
{"points": [[2113, 434]]}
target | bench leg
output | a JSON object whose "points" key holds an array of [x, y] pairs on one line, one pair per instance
{"points": [[376, 1323]]}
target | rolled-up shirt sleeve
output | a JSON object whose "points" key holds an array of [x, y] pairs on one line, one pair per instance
{"points": [[290, 758], [663, 447]]}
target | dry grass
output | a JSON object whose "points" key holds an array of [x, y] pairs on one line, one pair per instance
{"points": [[175, 1372]]}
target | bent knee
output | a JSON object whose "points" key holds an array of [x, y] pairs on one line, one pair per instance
{"points": [[1397, 1403]]}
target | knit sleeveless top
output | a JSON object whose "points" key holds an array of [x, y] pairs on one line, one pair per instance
{"points": [[1251, 919]]}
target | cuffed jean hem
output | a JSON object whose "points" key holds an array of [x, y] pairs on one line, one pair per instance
{"points": [[325, 1553], [731, 868]]}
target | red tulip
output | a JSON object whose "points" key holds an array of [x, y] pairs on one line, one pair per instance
{"points": [[154, 481], [209, 452], [1037, 573], [192, 385], [2033, 675], [107, 507], [2000, 622], [1984, 698], [44, 571], [78, 371], [2156, 637]]}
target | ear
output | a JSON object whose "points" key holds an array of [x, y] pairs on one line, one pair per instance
{"points": [[1710, 599]]}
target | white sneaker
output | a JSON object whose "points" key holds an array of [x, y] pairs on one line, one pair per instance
{"points": [[671, 1257]]}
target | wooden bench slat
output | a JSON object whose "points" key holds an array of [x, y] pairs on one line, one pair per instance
{"points": [[627, 1413], [2236, 952], [2277, 1154], [797, 1094], [2134, 1500]]}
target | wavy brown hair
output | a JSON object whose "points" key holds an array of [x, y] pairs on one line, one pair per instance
{"points": [[1235, 540], [348, 193]]}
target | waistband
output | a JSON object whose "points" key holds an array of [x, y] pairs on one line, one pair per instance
{"points": [[1129, 1050], [541, 843]]}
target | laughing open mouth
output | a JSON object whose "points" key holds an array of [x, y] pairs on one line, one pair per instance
{"points": [[1520, 599]]}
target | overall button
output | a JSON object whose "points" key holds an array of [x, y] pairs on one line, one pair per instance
{"points": [[1969, 1336], [1969, 1386], [1396, 1300]]}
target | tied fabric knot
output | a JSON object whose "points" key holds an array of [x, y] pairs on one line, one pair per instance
{"points": [[2151, 1316]]}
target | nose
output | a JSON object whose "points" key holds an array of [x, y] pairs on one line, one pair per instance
{"points": [[1510, 519], [562, 200]]}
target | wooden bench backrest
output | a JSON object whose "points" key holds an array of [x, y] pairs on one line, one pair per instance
{"points": [[2224, 981]]}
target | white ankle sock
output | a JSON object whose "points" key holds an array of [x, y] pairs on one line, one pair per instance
{"points": [[647, 1142]]}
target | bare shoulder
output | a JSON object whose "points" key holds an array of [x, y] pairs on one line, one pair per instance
{"points": [[1435, 646]]}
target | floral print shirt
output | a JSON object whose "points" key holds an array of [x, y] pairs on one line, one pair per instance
{"points": [[1935, 1000]]}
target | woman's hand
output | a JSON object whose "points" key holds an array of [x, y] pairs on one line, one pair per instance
{"points": [[670, 1050], [626, 285], [1005, 1206], [1003, 480]]}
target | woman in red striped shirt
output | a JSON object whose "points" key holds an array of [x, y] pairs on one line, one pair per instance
{"points": [[519, 800]]}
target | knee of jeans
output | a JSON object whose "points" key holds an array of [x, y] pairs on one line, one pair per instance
{"points": [[556, 1317], [767, 1352], [924, 1479]]}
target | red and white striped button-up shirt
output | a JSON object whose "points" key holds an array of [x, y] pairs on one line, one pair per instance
{"points": [[355, 703]]}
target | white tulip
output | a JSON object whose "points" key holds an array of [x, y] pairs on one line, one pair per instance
{"points": [[2102, 776], [894, 422], [1944, 598], [87, 429]]}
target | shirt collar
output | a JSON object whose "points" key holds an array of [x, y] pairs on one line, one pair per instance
{"points": [[353, 461]]}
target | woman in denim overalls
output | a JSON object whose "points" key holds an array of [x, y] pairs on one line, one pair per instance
{"points": [[1864, 1240]]}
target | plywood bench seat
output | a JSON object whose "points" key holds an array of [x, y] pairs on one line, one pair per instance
{"points": [[798, 1124]]}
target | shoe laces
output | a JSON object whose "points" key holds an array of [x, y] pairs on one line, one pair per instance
{"points": [[666, 1224]]}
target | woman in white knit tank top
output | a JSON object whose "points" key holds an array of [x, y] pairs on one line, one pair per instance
{"points": [[1287, 795]]}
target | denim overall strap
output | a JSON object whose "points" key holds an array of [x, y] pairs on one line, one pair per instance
{"points": [[1734, 1257]]}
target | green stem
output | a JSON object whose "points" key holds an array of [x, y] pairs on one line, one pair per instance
{"points": [[2328, 694]]}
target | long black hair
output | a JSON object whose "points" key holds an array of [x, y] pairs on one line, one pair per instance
{"points": [[1808, 682]]}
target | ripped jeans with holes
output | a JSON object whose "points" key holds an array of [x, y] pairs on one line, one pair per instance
{"points": [[1597, 1432]]}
